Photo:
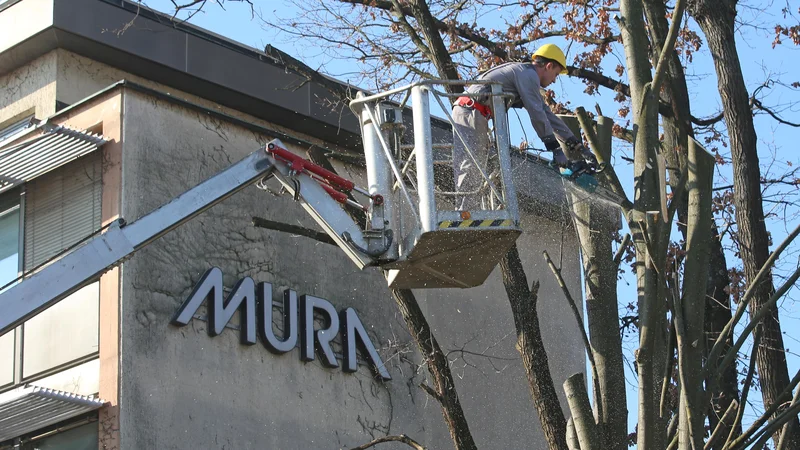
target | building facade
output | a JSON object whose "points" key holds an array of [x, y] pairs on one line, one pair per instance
{"points": [[115, 124]]}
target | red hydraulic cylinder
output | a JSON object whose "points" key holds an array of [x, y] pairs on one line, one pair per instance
{"points": [[299, 164], [341, 197]]}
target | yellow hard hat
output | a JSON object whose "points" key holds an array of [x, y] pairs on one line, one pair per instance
{"points": [[551, 51]]}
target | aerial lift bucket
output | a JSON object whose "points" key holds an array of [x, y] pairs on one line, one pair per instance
{"points": [[435, 245]]}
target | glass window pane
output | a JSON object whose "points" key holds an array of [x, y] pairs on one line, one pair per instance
{"points": [[62, 333], [9, 245], [84, 437], [83, 379], [9, 267], [7, 358]]}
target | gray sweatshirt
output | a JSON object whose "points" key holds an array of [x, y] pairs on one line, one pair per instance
{"points": [[522, 81]]}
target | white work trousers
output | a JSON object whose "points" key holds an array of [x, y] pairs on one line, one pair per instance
{"points": [[474, 129]]}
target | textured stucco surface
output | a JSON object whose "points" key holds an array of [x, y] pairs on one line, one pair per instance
{"points": [[30, 89], [189, 390], [181, 388]]}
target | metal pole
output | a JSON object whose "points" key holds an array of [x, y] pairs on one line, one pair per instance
{"points": [[503, 147], [392, 165], [424, 150], [379, 176]]}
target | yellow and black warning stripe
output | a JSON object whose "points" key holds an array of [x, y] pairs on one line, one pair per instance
{"points": [[476, 223]]}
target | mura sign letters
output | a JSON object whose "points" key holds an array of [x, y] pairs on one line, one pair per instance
{"points": [[254, 303]]}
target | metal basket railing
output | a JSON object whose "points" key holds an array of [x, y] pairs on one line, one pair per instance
{"points": [[410, 171]]}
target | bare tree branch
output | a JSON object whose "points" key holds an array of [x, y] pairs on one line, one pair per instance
{"points": [[765, 269], [717, 433], [788, 428], [709, 121], [589, 350], [398, 438], [623, 246], [666, 52], [748, 382], [758, 105], [758, 423]]}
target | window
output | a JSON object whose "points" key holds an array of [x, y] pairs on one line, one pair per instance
{"points": [[59, 209], [9, 238], [83, 437], [9, 270], [14, 128]]}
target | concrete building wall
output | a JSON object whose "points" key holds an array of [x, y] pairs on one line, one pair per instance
{"points": [[216, 392], [181, 388], [30, 89]]}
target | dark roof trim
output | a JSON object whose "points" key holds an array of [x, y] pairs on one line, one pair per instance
{"points": [[143, 11]]}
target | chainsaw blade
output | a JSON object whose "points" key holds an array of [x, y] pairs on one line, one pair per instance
{"points": [[589, 185]]}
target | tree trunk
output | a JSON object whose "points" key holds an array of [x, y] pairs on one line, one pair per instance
{"points": [[596, 225], [530, 346], [718, 314], [438, 53], [520, 296], [578, 398], [716, 19], [602, 310], [649, 260], [444, 388], [689, 312], [677, 130]]}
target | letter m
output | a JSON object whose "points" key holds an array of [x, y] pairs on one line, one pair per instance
{"points": [[242, 298]]}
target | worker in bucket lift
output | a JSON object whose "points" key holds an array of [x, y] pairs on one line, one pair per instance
{"points": [[523, 81]]}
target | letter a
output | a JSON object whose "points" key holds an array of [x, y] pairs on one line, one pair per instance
{"points": [[353, 332]]}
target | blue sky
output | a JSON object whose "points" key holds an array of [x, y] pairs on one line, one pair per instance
{"points": [[759, 61]]}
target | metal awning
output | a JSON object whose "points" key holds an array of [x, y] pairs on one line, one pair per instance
{"points": [[16, 128], [28, 409], [56, 146]]}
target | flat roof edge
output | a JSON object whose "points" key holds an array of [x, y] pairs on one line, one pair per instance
{"points": [[126, 84]]}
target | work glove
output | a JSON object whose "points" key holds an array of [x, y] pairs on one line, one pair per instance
{"points": [[577, 147], [559, 158], [552, 145]]}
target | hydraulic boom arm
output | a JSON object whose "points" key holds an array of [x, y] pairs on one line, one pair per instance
{"points": [[98, 255], [68, 274]]}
